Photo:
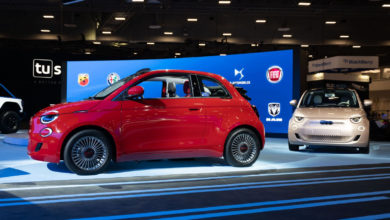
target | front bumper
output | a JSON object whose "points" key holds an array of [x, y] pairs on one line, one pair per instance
{"points": [[44, 148], [341, 132]]}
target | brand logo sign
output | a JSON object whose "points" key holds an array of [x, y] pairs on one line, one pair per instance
{"points": [[239, 72], [112, 78], [83, 79], [240, 81], [274, 74], [44, 68], [274, 110]]}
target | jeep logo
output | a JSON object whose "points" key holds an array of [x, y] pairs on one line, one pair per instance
{"points": [[44, 68]]}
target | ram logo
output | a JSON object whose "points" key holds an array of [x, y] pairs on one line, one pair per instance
{"points": [[274, 109]]}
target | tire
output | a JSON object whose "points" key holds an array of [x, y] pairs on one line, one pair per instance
{"points": [[293, 147], [364, 150], [9, 122], [88, 152], [242, 148]]}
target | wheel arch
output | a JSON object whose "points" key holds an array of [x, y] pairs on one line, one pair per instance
{"points": [[85, 127], [10, 106], [247, 127]]}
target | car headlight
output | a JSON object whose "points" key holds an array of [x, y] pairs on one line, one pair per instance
{"points": [[46, 119], [356, 119], [298, 118]]}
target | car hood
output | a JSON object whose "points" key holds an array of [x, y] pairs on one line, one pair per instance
{"points": [[329, 113], [71, 107]]}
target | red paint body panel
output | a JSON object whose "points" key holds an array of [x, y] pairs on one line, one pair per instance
{"points": [[149, 128]]}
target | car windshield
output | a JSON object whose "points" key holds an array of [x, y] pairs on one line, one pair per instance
{"points": [[110, 89], [342, 98]]}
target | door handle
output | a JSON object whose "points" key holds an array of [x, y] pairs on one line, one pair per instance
{"points": [[194, 109]]}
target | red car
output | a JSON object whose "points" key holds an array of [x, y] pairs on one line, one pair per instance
{"points": [[150, 115]]}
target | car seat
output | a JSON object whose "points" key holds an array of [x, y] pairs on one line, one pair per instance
{"points": [[187, 89], [171, 89], [317, 100]]}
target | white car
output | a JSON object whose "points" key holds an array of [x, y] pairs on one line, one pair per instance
{"points": [[11, 110], [331, 117]]}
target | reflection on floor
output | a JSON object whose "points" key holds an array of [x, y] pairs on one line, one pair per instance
{"points": [[16, 166]]}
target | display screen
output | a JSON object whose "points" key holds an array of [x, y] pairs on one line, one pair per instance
{"points": [[267, 76]]}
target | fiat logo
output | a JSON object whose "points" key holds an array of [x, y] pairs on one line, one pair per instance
{"points": [[274, 74]]}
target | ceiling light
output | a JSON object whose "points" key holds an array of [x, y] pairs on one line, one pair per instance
{"points": [[227, 34], [106, 32], [254, 45], [287, 35], [45, 30], [120, 18], [304, 3], [97, 42], [137, 0], [344, 36], [168, 33], [261, 21], [48, 16], [154, 26], [150, 43], [284, 29], [386, 6], [192, 19], [87, 52], [330, 22], [177, 54], [123, 44], [202, 44], [356, 46], [135, 53], [310, 56], [224, 2], [304, 45], [222, 54]]}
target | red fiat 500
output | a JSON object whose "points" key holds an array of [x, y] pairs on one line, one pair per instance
{"points": [[150, 115]]}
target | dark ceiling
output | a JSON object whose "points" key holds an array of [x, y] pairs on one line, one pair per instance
{"points": [[365, 21]]}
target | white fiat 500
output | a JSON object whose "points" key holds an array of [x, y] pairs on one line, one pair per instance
{"points": [[333, 117]]}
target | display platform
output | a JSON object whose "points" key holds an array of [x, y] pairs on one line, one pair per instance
{"points": [[16, 166]]}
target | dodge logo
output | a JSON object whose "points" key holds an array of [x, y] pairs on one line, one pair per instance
{"points": [[274, 109], [274, 74]]}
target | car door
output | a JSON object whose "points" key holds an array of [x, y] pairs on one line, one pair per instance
{"points": [[161, 124], [220, 110]]}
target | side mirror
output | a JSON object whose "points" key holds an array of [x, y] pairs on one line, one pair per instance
{"points": [[367, 102], [135, 91], [293, 102]]}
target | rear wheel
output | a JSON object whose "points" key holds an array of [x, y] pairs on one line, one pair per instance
{"points": [[242, 148], [9, 122], [293, 147], [87, 152]]}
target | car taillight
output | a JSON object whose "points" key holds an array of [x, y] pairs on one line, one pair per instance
{"points": [[255, 110]]}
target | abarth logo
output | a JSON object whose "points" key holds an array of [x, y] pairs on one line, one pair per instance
{"points": [[274, 109], [239, 72], [274, 74], [83, 79], [112, 78]]}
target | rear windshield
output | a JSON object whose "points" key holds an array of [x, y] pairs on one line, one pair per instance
{"points": [[330, 98]]}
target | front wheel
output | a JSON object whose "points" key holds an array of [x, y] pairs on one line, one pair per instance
{"points": [[293, 147], [242, 148], [87, 152], [9, 122]]}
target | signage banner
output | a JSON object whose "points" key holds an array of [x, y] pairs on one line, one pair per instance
{"points": [[344, 63], [267, 76]]}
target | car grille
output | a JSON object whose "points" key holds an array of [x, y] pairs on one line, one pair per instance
{"points": [[327, 138]]}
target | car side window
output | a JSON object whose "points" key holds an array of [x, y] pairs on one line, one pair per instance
{"points": [[212, 88], [175, 86]]}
